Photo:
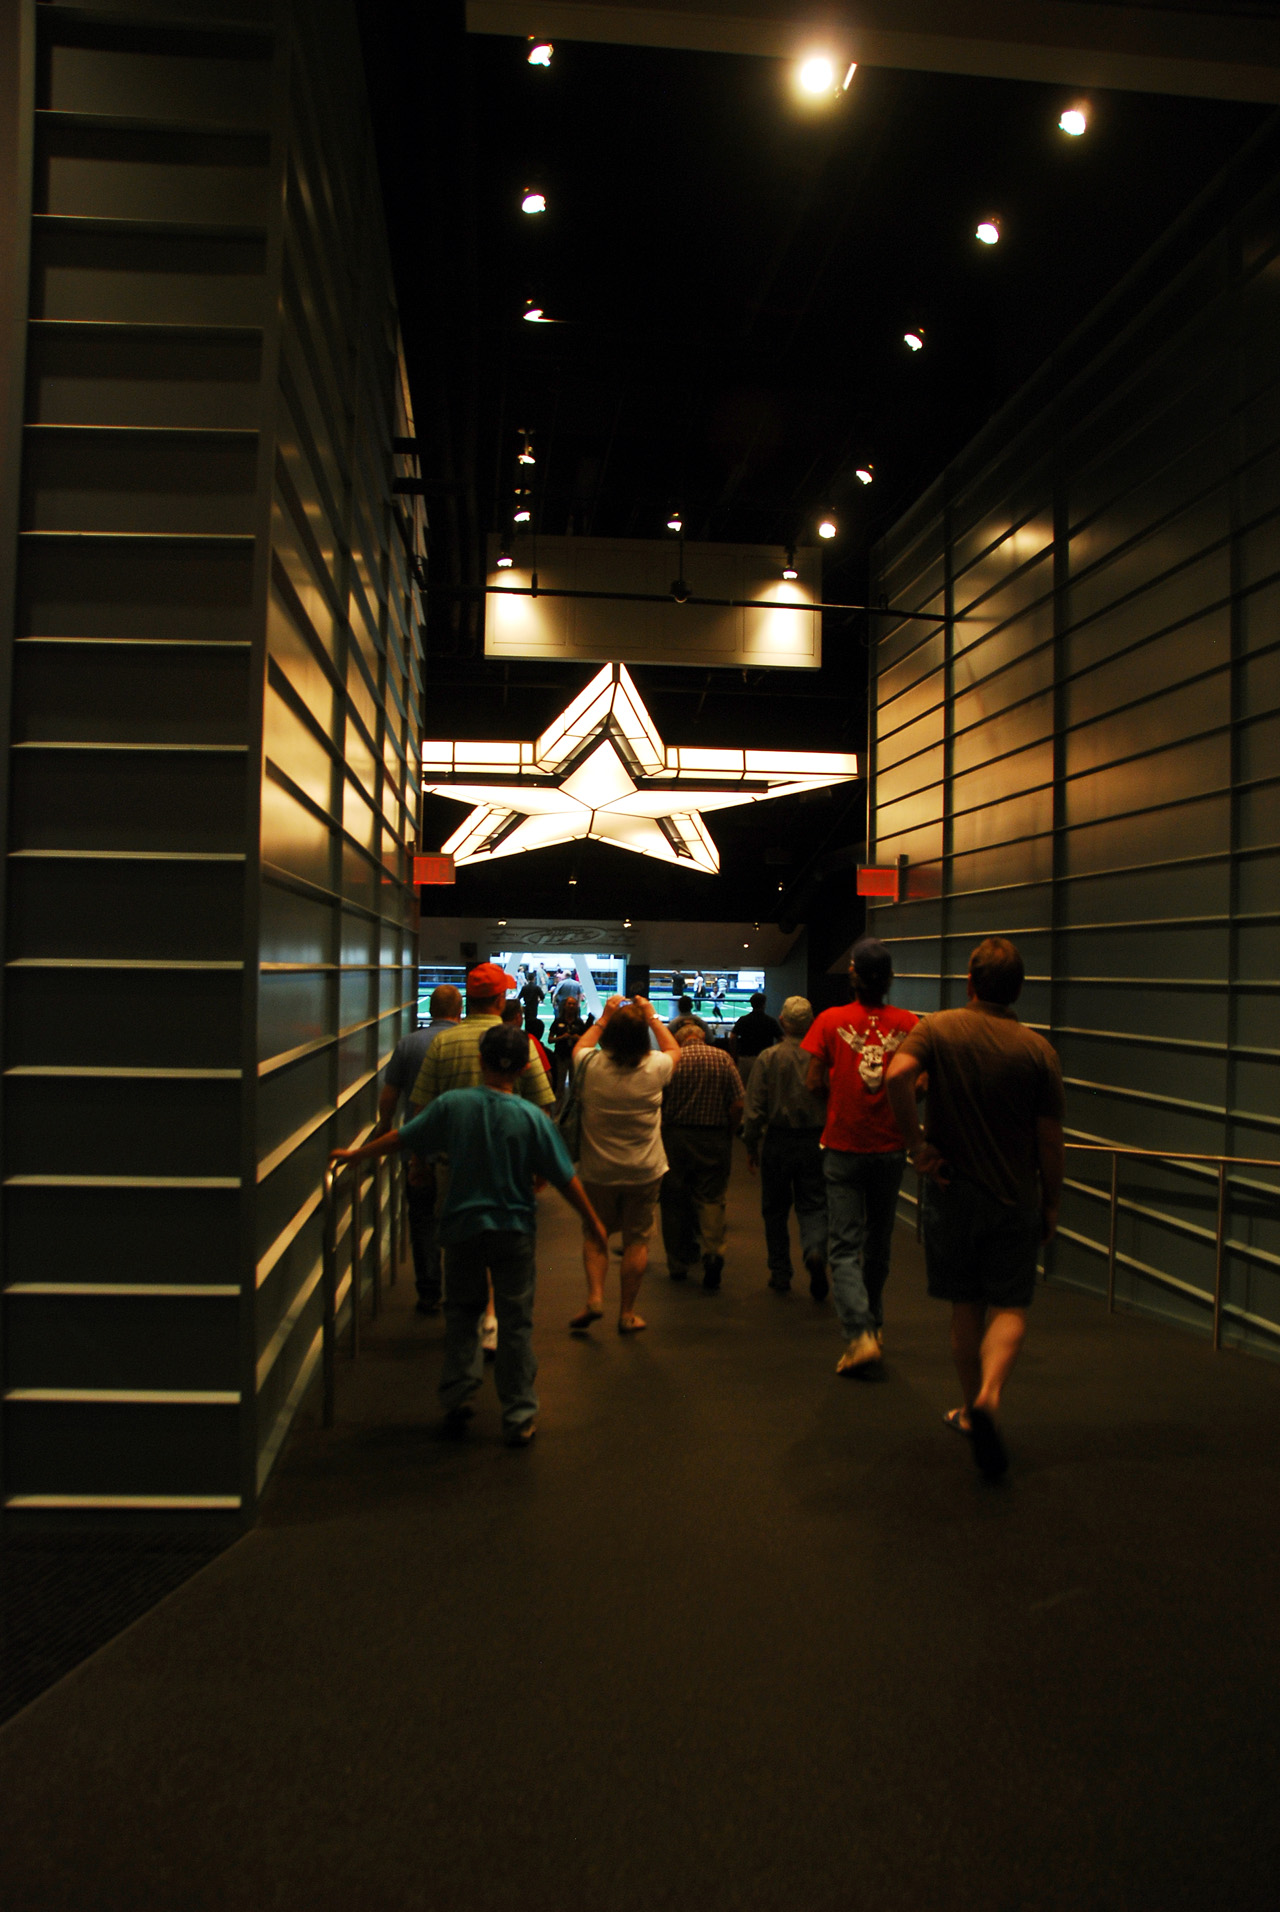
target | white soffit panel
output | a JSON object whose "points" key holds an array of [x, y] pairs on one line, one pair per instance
{"points": [[608, 629]]}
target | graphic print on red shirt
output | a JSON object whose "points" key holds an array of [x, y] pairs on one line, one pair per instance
{"points": [[856, 1043]]}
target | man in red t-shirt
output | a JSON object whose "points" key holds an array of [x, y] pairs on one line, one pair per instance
{"points": [[862, 1151]]}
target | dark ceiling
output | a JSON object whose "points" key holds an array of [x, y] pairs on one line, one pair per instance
{"points": [[732, 276]]}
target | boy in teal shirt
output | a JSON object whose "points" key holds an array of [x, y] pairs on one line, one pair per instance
{"points": [[501, 1149]]}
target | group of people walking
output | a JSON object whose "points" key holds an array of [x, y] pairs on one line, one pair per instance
{"points": [[829, 1115]]}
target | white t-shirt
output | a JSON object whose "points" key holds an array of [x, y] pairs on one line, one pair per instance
{"points": [[621, 1118]]}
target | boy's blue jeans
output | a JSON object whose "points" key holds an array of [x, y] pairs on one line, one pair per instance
{"points": [[862, 1202], [508, 1256]]}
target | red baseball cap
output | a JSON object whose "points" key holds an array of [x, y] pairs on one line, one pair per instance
{"points": [[486, 979]]}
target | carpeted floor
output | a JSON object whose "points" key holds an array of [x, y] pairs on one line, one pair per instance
{"points": [[734, 1636]]}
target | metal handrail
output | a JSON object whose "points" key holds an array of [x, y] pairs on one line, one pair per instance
{"points": [[398, 1229], [1222, 1163]]}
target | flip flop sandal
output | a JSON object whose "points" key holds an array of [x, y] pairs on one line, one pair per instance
{"points": [[952, 1419], [989, 1453], [630, 1324], [581, 1322]]}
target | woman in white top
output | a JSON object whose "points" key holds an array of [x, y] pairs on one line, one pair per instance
{"points": [[621, 1160]]}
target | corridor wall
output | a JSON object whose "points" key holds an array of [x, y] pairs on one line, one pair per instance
{"points": [[1081, 752], [215, 721]]}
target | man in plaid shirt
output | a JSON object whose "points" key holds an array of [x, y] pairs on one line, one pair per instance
{"points": [[453, 1060], [701, 1108]]}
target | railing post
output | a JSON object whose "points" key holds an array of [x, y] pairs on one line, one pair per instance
{"points": [[376, 1243], [355, 1264], [329, 1285], [1219, 1256], [1111, 1238]]}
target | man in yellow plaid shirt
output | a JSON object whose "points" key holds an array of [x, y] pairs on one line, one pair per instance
{"points": [[453, 1060]]}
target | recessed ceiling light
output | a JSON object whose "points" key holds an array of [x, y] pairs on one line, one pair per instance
{"points": [[817, 74], [865, 474], [540, 52], [827, 528], [914, 340], [988, 232], [534, 202], [1074, 121]]}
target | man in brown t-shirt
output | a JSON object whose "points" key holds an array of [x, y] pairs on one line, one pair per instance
{"points": [[992, 1158]]}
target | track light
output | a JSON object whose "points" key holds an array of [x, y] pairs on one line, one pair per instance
{"points": [[1074, 121], [525, 454], [989, 232], [827, 528], [505, 559], [533, 202], [540, 52], [523, 515], [914, 339], [675, 522], [789, 568], [535, 314], [865, 474]]}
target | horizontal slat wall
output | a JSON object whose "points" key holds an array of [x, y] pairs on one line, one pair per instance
{"points": [[1082, 754], [216, 711]]}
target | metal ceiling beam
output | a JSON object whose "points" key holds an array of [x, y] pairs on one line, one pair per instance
{"points": [[1210, 53]]}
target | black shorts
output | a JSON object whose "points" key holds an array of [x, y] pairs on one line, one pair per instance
{"points": [[977, 1249]]}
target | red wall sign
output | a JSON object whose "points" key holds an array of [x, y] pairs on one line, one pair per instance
{"points": [[878, 880], [434, 869]]}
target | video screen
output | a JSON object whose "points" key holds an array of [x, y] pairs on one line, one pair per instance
{"points": [[545, 981], [719, 996]]}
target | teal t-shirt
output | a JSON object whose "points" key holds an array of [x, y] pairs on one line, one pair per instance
{"points": [[496, 1144]]}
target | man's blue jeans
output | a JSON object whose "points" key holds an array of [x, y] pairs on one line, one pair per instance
{"points": [[508, 1256], [862, 1202]]}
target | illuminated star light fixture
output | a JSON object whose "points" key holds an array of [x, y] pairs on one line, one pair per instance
{"points": [[601, 770]]}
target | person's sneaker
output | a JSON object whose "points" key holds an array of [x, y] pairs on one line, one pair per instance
{"points": [[520, 1436], [712, 1268], [489, 1336], [819, 1286], [780, 1284], [861, 1356]]}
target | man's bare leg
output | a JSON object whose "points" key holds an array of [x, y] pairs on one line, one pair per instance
{"points": [[1000, 1345], [968, 1320], [596, 1262], [635, 1260]]}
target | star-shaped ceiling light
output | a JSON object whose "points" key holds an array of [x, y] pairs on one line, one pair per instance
{"points": [[601, 770]]}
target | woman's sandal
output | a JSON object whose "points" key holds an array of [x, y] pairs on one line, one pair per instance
{"points": [[953, 1418], [630, 1324], [581, 1322]]}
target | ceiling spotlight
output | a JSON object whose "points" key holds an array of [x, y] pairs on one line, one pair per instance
{"points": [[626, 922], [817, 75], [988, 232], [540, 52], [504, 559], [502, 922], [535, 314], [789, 568], [865, 474], [522, 516], [675, 522], [914, 340], [572, 882], [525, 455], [827, 528], [1074, 121], [534, 202]]}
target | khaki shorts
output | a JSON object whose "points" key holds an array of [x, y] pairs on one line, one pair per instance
{"points": [[625, 1207]]}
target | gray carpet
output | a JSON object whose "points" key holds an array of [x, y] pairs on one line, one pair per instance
{"points": [[735, 1635]]}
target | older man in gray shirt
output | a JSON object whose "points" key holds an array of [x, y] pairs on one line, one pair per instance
{"points": [[781, 1128]]}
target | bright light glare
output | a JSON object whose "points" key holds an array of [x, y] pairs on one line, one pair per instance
{"points": [[988, 232], [505, 562], [1074, 121], [675, 522], [847, 81], [540, 53], [789, 572], [534, 315], [827, 528], [522, 516], [914, 341], [817, 75], [526, 457], [865, 474], [534, 202]]}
